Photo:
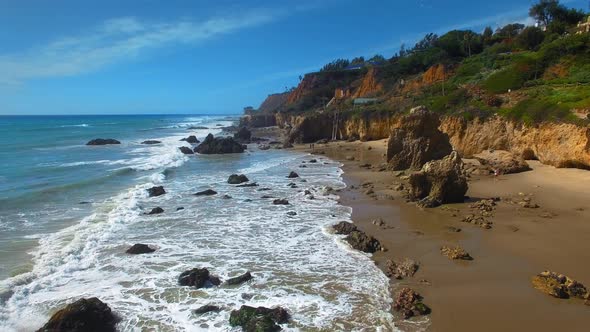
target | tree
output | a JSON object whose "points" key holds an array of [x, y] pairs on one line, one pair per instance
{"points": [[509, 31], [377, 58], [358, 61], [549, 11], [427, 42], [530, 38], [338, 64], [487, 35]]}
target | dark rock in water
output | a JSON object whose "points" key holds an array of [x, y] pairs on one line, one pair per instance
{"points": [[291, 213], [197, 128], [198, 278], [156, 210], [140, 248], [441, 181], [206, 309], [264, 189], [280, 201], [84, 202], [208, 192], [179, 208], [227, 196], [259, 319], [237, 179], [156, 191], [219, 145], [191, 139], [293, 175], [253, 184], [151, 142], [409, 304], [243, 135], [344, 228], [292, 185], [239, 279], [313, 161], [186, 150], [84, 315], [102, 141], [266, 196], [360, 241]]}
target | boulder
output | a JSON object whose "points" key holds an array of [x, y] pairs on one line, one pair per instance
{"points": [[156, 210], [409, 303], [259, 319], [361, 241], [198, 278], [237, 179], [186, 150], [84, 315], [455, 253], [140, 248], [401, 269], [192, 139], [280, 201], [219, 145], [239, 279], [559, 285], [208, 192], [156, 191], [243, 135], [344, 228], [103, 141], [292, 175], [206, 309], [502, 162], [151, 142], [417, 140], [440, 181]]}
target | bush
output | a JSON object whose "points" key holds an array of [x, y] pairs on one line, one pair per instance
{"points": [[504, 80], [536, 110]]}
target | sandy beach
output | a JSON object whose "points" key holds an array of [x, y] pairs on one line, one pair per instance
{"points": [[493, 292]]}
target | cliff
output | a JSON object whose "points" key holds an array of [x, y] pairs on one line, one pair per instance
{"points": [[370, 86], [273, 102]]}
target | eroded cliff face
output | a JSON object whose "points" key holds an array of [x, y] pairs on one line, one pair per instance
{"points": [[369, 86], [273, 102]]}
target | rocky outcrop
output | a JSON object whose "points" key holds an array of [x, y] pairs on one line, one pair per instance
{"points": [[207, 192], [502, 162], [156, 191], [219, 145], [84, 315], [191, 139], [439, 182], [239, 279], [140, 248], [559, 285], [259, 319], [409, 304], [103, 141], [273, 102], [186, 150], [344, 228], [416, 141], [370, 86], [455, 253], [156, 210], [292, 175], [401, 269], [258, 120], [243, 135], [206, 309], [237, 179], [361, 241], [280, 201], [198, 278]]}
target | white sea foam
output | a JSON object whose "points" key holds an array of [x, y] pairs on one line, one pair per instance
{"points": [[84, 125]]}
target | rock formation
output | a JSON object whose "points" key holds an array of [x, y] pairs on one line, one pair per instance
{"points": [[139, 248], [219, 145], [186, 150], [409, 303], [156, 191], [191, 139], [237, 179], [198, 278], [239, 279], [84, 315], [243, 135], [501, 161], [151, 142], [559, 285], [208, 192], [258, 319], [103, 141]]}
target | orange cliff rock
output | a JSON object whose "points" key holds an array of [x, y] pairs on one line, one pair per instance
{"points": [[369, 85]]}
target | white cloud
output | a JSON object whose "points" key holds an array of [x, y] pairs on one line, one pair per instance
{"points": [[117, 40]]}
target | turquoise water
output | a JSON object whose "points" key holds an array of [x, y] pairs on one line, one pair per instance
{"points": [[69, 211]]}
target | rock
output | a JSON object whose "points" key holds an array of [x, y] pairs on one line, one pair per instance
{"points": [[226, 196], [156, 210], [399, 270], [156, 191], [191, 139], [208, 192], [478, 221], [502, 161], [103, 141], [186, 150], [344, 228], [237, 179], [280, 201], [206, 309], [151, 142], [287, 145], [198, 278], [453, 229], [239, 279], [219, 145], [243, 135], [292, 185], [84, 315], [253, 184], [409, 303], [313, 161], [140, 248], [559, 285], [417, 141], [292, 175], [197, 128], [179, 208], [440, 181], [455, 253], [291, 213], [361, 241], [259, 319]]}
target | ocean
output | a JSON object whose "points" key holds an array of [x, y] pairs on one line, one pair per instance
{"points": [[69, 211]]}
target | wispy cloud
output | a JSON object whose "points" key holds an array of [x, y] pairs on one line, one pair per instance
{"points": [[118, 40]]}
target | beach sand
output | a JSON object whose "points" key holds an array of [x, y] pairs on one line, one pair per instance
{"points": [[493, 292]]}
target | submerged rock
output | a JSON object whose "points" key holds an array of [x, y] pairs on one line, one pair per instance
{"points": [[237, 179], [344, 228], [409, 303], [103, 141], [239, 279], [208, 192], [151, 142], [292, 175], [156, 191], [401, 269], [559, 285], [455, 253], [361, 241], [206, 309], [259, 319], [156, 210], [219, 145], [503, 162], [84, 315], [280, 201], [198, 278], [140, 248], [186, 150]]}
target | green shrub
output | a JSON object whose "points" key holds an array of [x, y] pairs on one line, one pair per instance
{"points": [[536, 110]]}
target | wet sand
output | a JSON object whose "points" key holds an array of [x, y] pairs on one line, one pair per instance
{"points": [[493, 292]]}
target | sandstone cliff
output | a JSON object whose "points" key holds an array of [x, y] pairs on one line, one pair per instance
{"points": [[273, 102]]}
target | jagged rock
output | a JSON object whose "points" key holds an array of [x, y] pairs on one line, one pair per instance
{"points": [[455, 253], [156, 191], [84, 315], [344, 228], [103, 141], [206, 309], [502, 162], [140, 248], [259, 319], [361, 241], [198, 278], [156, 210], [441, 181], [401, 269], [186, 150], [243, 135], [409, 303], [239, 279], [208, 192], [280, 201], [219, 145], [559, 285], [417, 141], [292, 175], [151, 142], [237, 179], [191, 139]]}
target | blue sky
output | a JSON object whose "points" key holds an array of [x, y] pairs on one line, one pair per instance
{"points": [[124, 57]]}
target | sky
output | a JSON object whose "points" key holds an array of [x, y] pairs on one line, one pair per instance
{"points": [[203, 57]]}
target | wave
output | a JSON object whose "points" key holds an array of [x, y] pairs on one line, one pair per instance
{"points": [[84, 125]]}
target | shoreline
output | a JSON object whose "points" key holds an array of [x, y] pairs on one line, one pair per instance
{"points": [[494, 291]]}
